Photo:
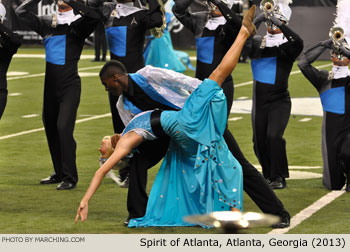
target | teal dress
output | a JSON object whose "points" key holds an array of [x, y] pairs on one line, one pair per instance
{"points": [[198, 174], [159, 52]]}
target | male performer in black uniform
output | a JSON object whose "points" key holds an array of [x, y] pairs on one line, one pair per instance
{"points": [[126, 26], [334, 90], [272, 60], [212, 44], [64, 35], [9, 43]]}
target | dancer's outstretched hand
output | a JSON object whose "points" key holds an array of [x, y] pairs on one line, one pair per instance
{"points": [[82, 212]]}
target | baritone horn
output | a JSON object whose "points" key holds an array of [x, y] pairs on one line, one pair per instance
{"points": [[267, 6]]}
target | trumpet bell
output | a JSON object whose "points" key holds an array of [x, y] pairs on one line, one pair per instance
{"points": [[267, 6], [336, 34]]}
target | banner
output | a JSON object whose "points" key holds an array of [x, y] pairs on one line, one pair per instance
{"points": [[45, 7]]}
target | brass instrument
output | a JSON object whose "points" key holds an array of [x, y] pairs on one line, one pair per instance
{"points": [[267, 6], [336, 34]]}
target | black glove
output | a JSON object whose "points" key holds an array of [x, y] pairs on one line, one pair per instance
{"points": [[327, 43], [260, 18], [344, 51], [274, 20]]}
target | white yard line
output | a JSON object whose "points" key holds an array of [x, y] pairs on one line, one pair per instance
{"points": [[294, 167], [42, 56], [235, 118], [309, 211], [43, 74], [41, 129]]}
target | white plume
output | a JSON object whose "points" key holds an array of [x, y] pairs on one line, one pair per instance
{"points": [[284, 1], [2, 12], [284, 8], [342, 18]]}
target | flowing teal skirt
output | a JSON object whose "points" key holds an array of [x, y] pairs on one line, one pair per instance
{"points": [[198, 174]]}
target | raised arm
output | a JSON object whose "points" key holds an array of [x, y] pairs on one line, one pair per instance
{"points": [[41, 25], [293, 38], [91, 15], [230, 60], [124, 146], [315, 76], [180, 10], [295, 45], [154, 17], [11, 40], [231, 17], [88, 11]]}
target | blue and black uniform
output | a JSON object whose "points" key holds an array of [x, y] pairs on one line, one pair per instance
{"points": [[271, 67], [126, 26], [214, 36], [63, 46], [217, 42], [9, 43], [334, 91]]}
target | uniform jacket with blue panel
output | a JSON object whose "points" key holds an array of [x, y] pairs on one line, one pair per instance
{"points": [[214, 35], [126, 26], [271, 66], [335, 98], [63, 43]]}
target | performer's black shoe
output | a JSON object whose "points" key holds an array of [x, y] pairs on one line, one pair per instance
{"points": [[104, 60], [95, 60], [126, 222], [284, 222], [65, 186], [50, 180], [278, 183]]}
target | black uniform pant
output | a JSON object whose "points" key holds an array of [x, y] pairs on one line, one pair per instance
{"points": [[254, 183], [345, 156], [3, 97], [336, 153], [59, 115], [269, 123], [118, 125], [100, 41]]}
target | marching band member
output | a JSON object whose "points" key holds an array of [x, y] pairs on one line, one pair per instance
{"points": [[272, 60], [334, 90]]}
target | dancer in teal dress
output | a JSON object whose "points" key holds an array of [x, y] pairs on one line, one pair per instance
{"points": [[159, 52], [199, 174]]}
